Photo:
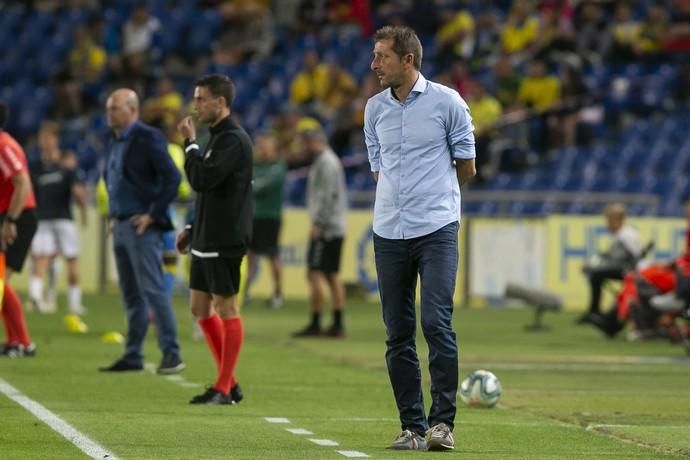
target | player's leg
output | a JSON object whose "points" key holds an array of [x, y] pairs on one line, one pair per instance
{"points": [[277, 301], [221, 277], [315, 279], [12, 313], [68, 242], [273, 253], [331, 267], [200, 304], [249, 279], [43, 249]]}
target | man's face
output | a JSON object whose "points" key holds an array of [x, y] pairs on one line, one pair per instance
{"points": [[48, 143], [119, 114], [206, 106], [387, 65], [266, 148]]}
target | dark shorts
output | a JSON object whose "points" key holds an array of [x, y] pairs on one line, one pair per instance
{"points": [[265, 236], [215, 275], [324, 255], [26, 228]]}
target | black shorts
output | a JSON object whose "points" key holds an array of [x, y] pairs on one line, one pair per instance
{"points": [[324, 255], [215, 275], [26, 228], [265, 236]]}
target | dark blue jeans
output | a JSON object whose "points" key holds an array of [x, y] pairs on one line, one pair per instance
{"points": [[435, 258], [140, 271]]}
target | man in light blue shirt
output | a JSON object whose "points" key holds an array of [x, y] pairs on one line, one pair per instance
{"points": [[421, 149]]}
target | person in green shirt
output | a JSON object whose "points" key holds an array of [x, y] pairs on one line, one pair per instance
{"points": [[269, 181]]}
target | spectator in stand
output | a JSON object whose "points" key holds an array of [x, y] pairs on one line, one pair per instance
{"points": [[309, 85], [556, 37], [339, 90], [165, 106], [678, 36], [460, 78], [541, 93], [454, 39], [539, 90], [653, 31], [520, 30], [87, 65], [486, 113], [137, 38], [593, 37], [625, 32], [285, 129], [575, 96], [487, 38], [87, 60], [506, 82], [247, 30]]}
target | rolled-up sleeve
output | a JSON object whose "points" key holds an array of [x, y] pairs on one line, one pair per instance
{"points": [[370, 137], [460, 129]]}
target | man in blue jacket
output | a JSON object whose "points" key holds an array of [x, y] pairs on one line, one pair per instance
{"points": [[142, 181]]}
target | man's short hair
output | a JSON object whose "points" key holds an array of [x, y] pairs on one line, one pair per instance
{"points": [[615, 211], [4, 112], [219, 86], [405, 41]]}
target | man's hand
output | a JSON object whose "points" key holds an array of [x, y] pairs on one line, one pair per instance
{"points": [[141, 222], [8, 234], [315, 232], [186, 127], [182, 241], [376, 176]]}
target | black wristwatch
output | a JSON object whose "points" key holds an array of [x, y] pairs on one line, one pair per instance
{"points": [[10, 219]]}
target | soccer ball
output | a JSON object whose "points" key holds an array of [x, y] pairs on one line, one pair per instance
{"points": [[480, 389]]}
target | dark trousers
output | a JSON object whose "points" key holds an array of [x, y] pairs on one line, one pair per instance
{"points": [[398, 262], [597, 277], [140, 271]]}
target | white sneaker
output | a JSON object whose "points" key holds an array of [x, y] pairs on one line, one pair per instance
{"points": [[439, 437], [79, 310], [277, 301]]}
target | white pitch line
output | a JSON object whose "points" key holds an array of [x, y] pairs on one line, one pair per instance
{"points": [[174, 378], [298, 431], [324, 442], [190, 385], [352, 454], [67, 431], [276, 420], [595, 426]]}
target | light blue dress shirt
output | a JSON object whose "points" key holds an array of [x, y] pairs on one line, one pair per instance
{"points": [[413, 145]]}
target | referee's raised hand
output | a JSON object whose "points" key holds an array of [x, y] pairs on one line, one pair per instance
{"points": [[187, 128]]}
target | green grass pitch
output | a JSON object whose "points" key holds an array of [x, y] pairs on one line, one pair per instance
{"points": [[567, 393]]}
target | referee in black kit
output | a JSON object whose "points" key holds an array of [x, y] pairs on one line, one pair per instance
{"points": [[221, 174]]}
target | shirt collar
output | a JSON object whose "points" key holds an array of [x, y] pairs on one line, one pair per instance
{"points": [[224, 124], [126, 132], [418, 88]]}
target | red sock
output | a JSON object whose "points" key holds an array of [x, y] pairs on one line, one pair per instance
{"points": [[213, 331], [232, 343], [13, 314], [10, 337]]}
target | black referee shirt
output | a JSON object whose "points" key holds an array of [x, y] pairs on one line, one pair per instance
{"points": [[221, 175]]}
